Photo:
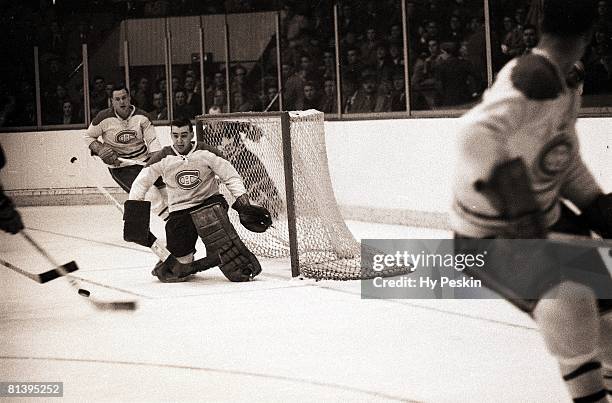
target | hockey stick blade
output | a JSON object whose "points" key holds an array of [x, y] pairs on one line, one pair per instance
{"points": [[115, 306], [118, 305], [42, 277]]}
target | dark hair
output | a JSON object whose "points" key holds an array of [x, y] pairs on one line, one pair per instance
{"points": [[119, 87], [180, 122], [567, 18]]}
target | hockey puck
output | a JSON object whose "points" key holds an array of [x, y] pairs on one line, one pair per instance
{"points": [[73, 159], [84, 293]]}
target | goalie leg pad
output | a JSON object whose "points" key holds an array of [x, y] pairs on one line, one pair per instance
{"points": [[237, 262]]}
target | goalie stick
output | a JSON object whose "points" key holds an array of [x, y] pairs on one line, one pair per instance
{"points": [[114, 306], [45, 277]]}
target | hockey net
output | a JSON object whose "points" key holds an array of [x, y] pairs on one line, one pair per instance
{"points": [[253, 143]]}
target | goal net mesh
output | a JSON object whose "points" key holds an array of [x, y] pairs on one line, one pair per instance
{"points": [[253, 143]]}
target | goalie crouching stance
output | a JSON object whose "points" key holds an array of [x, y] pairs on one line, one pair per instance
{"points": [[196, 209]]}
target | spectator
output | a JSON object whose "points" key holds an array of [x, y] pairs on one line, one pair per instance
{"points": [[180, 109], [219, 102], [193, 98], [99, 96], [456, 33], [528, 42], [395, 36], [309, 98], [241, 102], [454, 77], [140, 97], [159, 110], [398, 93], [329, 101], [383, 67], [327, 70], [238, 81], [431, 32], [424, 86], [351, 71], [369, 46], [271, 99], [366, 99], [69, 116]]}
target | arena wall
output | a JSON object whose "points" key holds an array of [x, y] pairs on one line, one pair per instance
{"points": [[394, 171]]}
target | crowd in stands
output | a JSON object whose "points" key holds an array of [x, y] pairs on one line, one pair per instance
{"points": [[446, 57]]}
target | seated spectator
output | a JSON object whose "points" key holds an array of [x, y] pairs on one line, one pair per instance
{"points": [[140, 97], [193, 98], [270, 100], [454, 77], [383, 67], [398, 93], [366, 98], [180, 108], [159, 110], [219, 102], [528, 42], [309, 98], [69, 115], [353, 67], [424, 87], [328, 68], [241, 102], [456, 32], [329, 100], [369, 46], [98, 94]]}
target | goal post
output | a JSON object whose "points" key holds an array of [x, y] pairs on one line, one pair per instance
{"points": [[282, 159]]}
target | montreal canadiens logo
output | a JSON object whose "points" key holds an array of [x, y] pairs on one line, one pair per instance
{"points": [[556, 157], [124, 136], [188, 179]]}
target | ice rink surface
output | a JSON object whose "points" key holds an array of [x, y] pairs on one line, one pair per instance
{"points": [[275, 339]]}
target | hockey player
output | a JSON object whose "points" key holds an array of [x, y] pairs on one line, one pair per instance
{"points": [[196, 209], [10, 220], [518, 148], [126, 133]]}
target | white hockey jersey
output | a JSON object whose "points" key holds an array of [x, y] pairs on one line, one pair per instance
{"points": [[132, 138], [529, 112], [190, 179]]}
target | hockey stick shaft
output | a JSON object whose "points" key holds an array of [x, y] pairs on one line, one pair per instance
{"points": [[42, 277], [156, 248], [127, 305], [20, 271]]}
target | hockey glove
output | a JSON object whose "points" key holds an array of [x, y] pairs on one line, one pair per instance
{"points": [[598, 215], [136, 217], [10, 220], [105, 152]]}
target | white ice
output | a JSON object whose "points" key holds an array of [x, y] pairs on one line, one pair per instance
{"points": [[273, 339]]}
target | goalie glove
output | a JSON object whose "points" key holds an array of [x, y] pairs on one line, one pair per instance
{"points": [[252, 217], [136, 217], [105, 152]]}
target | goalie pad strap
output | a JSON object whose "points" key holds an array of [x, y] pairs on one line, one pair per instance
{"points": [[221, 239]]}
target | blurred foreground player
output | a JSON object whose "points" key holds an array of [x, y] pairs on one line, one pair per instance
{"points": [[10, 220], [518, 148], [126, 133], [196, 209]]}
